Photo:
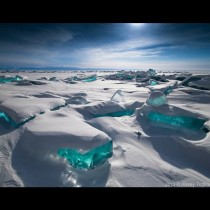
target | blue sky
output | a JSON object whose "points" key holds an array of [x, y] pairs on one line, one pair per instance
{"points": [[162, 46]]}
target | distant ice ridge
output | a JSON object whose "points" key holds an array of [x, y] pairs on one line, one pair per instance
{"points": [[157, 110], [89, 78], [122, 75]]}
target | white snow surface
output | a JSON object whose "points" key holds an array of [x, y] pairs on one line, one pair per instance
{"points": [[159, 157]]}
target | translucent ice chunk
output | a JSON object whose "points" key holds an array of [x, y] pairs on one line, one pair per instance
{"points": [[120, 74], [86, 78], [6, 79], [128, 76], [141, 74], [116, 114], [118, 96], [6, 118], [168, 90], [18, 78], [151, 72], [153, 82], [53, 79], [11, 122], [90, 159], [178, 121], [156, 98], [90, 79]]}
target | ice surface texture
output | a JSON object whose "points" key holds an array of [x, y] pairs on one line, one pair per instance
{"points": [[88, 160]]}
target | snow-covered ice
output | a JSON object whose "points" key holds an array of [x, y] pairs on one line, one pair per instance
{"points": [[85, 110]]}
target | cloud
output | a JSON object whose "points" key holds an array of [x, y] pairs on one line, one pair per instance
{"points": [[161, 46], [46, 37], [103, 45]]}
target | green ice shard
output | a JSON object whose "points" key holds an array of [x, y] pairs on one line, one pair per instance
{"points": [[153, 83], [4, 79], [87, 79], [116, 114], [88, 160], [11, 122], [90, 79], [120, 74], [7, 119], [178, 121]]}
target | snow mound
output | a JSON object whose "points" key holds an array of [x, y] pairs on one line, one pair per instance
{"points": [[20, 109], [60, 129], [36, 153], [37, 82], [100, 108]]}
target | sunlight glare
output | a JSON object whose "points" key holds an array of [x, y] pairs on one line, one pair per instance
{"points": [[136, 25]]}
